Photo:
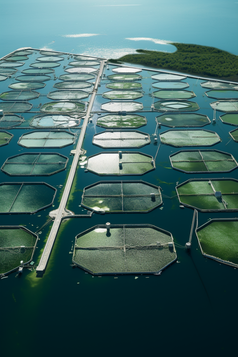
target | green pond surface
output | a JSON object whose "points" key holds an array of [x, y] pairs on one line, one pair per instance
{"points": [[124, 250], [119, 121], [173, 94], [9, 121], [234, 135], [121, 197], [16, 244], [202, 195], [5, 137], [125, 94], [184, 106], [219, 240], [181, 138], [34, 164], [203, 161], [62, 107], [230, 119], [222, 94], [124, 85], [183, 120]]}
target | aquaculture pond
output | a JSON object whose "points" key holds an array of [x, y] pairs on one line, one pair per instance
{"points": [[38, 141]]}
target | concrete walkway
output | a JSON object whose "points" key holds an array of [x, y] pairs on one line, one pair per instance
{"points": [[61, 210]]}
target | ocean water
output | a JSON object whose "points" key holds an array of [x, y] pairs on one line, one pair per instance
{"points": [[190, 309], [111, 28]]}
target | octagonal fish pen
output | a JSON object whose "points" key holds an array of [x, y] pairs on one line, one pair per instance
{"points": [[15, 107], [74, 77], [234, 134], [120, 163], [124, 249], [84, 63], [225, 105], [121, 121], [183, 120], [173, 94], [121, 197], [126, 70], [170, 85], [5, 137], [122, 94], [16, 58], [222, 94], [26, 86], [16, 95], [168, 77], [83, 58], [50, 59], [63, 107], [124, 85], [8, 64], [25, 197], [74, 85], [203, 161], [7, 71], [124, 77], [219, 85], [55, 121], [121, 106], [68, 94], [49, 53], [197, 137], [8, 121], [176, 106], [45, 65], [121, 139], [17, 246], [35, 164], [3, 78], [43, 139], [82, 70], [33, 78], [209, 195], [38, 71], [218, 240], [231, 119]]}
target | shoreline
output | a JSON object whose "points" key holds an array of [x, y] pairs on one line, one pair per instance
{"points": [[196, 60]]}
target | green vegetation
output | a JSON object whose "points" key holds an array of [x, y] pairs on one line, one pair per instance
{"points": [[191, 59]]}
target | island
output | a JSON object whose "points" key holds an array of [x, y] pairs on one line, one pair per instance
{"points": [[190, 59]]}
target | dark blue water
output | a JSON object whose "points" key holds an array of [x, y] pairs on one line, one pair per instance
{"points": [[190, 310]]}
